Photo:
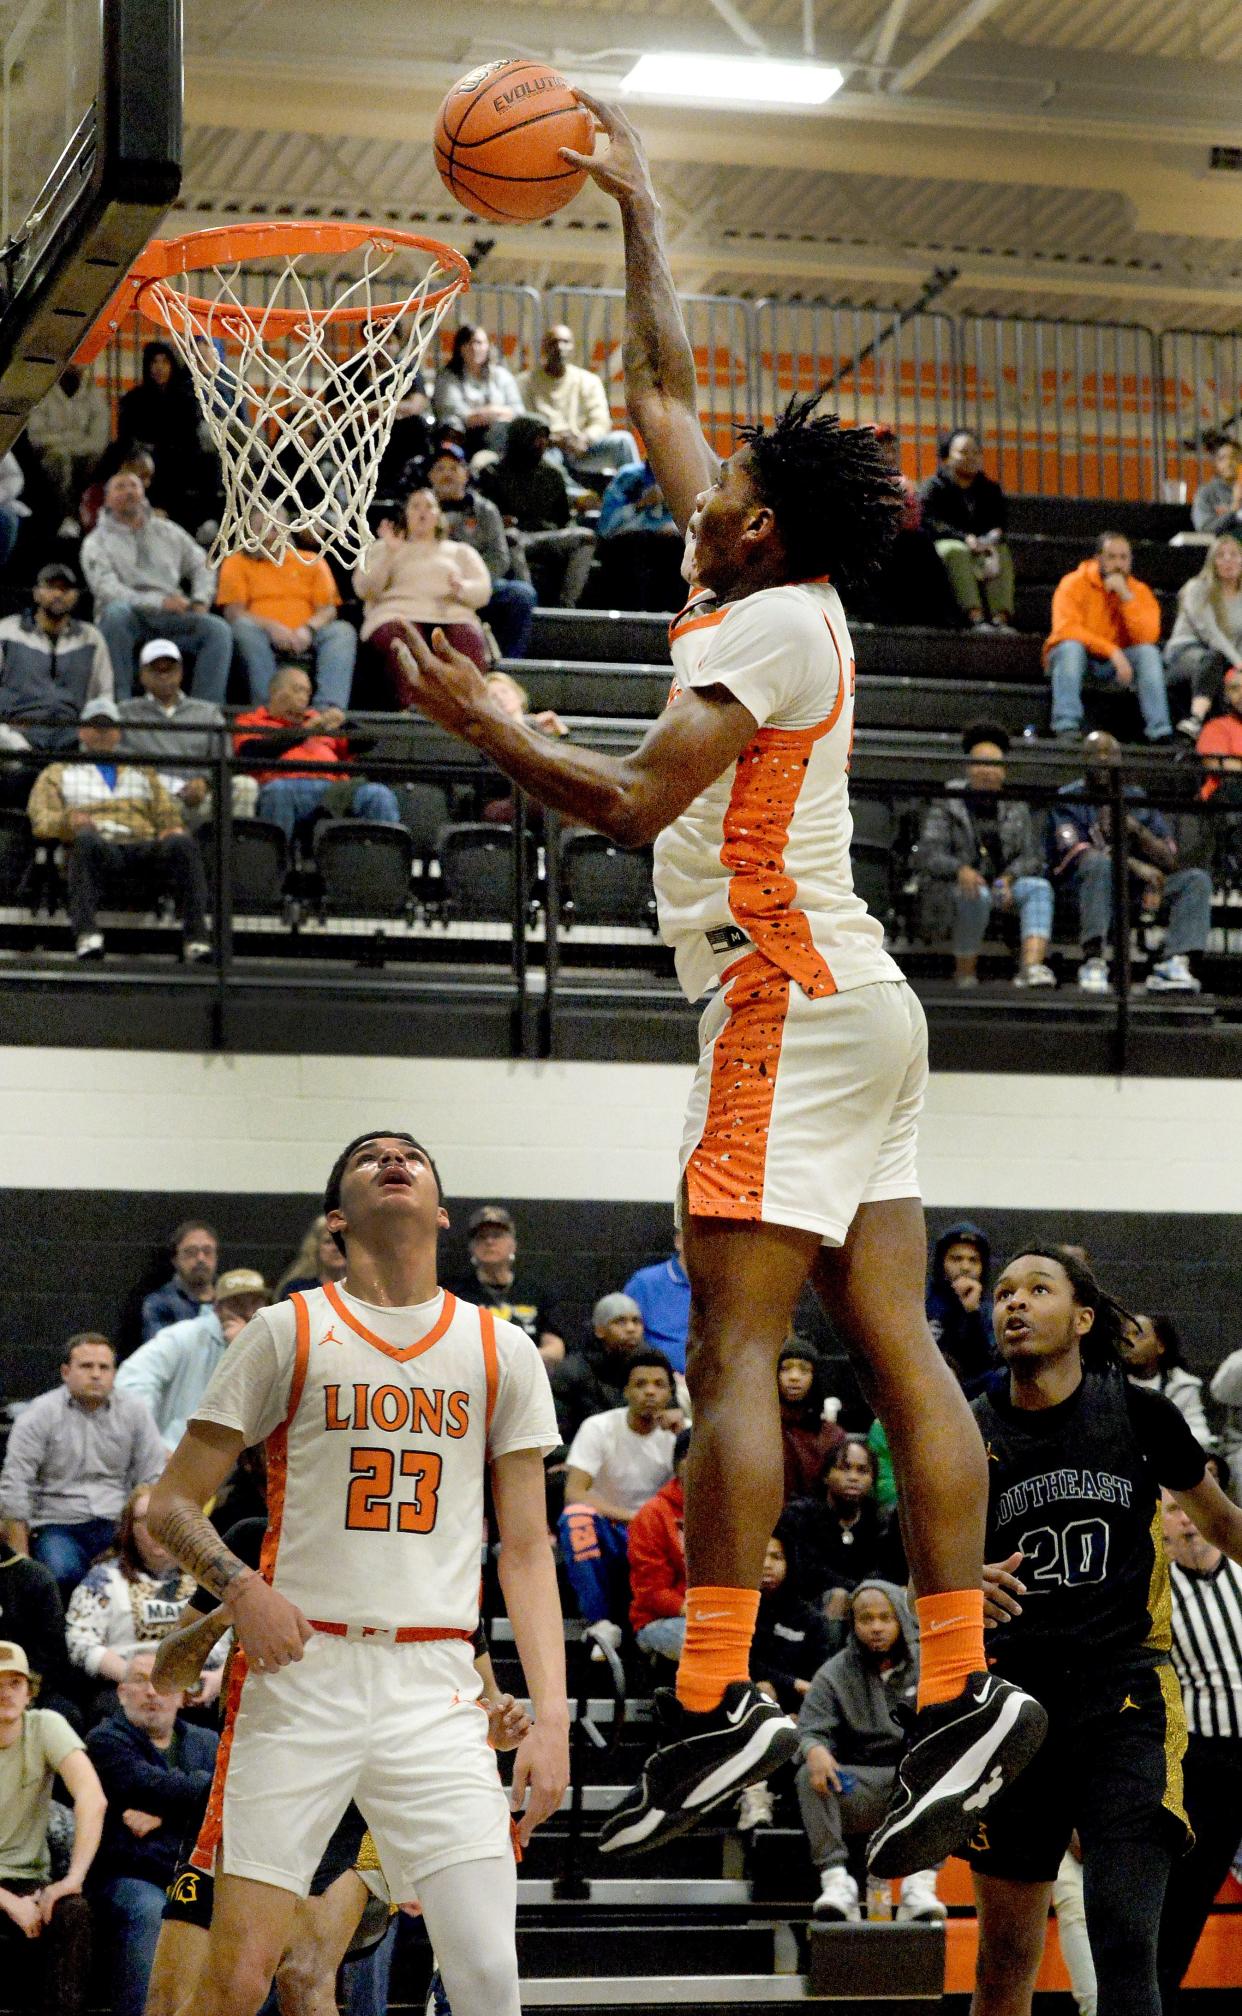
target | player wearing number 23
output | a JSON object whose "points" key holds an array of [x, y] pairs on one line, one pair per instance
{"points": [[1078, 1606]]}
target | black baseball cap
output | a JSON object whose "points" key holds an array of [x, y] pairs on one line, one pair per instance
{"points": [[56, 570], [490, 1214]]}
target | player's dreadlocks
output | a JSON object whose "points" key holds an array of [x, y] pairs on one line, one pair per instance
{"points": [[836, 499], [1100, 1345]]}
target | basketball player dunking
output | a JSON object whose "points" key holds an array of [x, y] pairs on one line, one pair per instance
{"points": [[382, 1401], [798, 1156]]}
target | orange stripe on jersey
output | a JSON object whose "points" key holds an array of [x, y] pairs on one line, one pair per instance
{"points": [[491, 1364], [407, 1351], [278, 1441], [725, 1174], [679, 629], [208, 1842]]}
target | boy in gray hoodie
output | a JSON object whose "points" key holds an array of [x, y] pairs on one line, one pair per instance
{"points": [[850, 1740]]}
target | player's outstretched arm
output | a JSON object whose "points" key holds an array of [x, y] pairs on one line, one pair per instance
{"points": [[661, 389], [528, 1579], [628, 798], [181, 1657], [270, 1629]]}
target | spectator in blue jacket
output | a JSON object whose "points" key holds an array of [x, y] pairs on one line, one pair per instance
{"points": [[640, 548], [662, 1293], [173, 1370], [959, 1301], [155, 1769], [195, 1251], [1080, 854]]}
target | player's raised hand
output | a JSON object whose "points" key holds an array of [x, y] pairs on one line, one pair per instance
{"points": [[270, 1629], [446, 686], [622, 170], [540, 1776], [1001, 1590]]}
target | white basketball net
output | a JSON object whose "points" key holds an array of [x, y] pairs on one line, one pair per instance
{"points": [[301, 422]]}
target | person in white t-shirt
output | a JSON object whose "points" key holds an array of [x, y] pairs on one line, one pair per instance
{"points": [[382, 1402], [616, 1462], [798, 1159]]}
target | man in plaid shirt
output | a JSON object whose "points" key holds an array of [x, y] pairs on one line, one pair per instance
{"points": [[114, 817]]}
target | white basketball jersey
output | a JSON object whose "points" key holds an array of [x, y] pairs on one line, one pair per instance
{"points": [[376, 1460], [765, 850]]}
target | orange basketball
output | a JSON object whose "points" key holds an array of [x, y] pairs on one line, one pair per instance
{"points": [[496, 140]]}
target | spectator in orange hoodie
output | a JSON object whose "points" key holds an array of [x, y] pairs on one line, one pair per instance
{"points": [[289, 731], [658, 1564], [1106, 626]]}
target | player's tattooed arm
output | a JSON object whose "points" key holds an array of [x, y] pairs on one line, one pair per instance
{"points": [[661, 385], [190, 1535], [181, 1657]]}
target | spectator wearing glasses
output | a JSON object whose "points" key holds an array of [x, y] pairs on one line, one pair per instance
{"points": [[1106, 627], [194, 1250], [979, 856]]}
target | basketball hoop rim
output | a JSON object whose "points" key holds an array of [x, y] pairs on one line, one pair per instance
{"points": [[233, 244]]}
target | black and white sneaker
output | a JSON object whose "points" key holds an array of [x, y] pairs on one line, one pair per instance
{"points": [[961, 1754], [703, 1760]]}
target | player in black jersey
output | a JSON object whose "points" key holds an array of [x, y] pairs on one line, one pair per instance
{"points": [[1077, 1595]]}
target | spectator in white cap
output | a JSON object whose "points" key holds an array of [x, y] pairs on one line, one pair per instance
{"points": [[119, 824], [172, 1372], [45, 1926], [166, 727]]}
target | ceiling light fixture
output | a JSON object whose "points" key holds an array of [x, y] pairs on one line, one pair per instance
{"points": [[733, 80]]}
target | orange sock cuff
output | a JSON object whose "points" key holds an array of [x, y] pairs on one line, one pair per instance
{"points": [[950, 1643], [720, 1624]]}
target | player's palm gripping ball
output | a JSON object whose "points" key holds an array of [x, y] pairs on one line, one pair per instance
{"points": [[497, 136]]}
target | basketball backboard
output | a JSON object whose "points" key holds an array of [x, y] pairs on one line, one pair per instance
{"points": [[90, 162]]}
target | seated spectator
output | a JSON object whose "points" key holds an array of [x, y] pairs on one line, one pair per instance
{"points": [[69, 430], [12, 510], [317, 1261], [130, 1599], [172, 1371], [195, 1253], [662, 1293], [531, 493], [1107, 625], [164, 725], [959, 1301], [616, 1334], [45, 1926], [810, 1442], [617, 1461], [1217, 504], [477, 389], [965, 513], [1081, 860], [121, 829], [791, 1635], [640, 548], [1206, 639], [51, 663], [493, 1282], [288, 612], [74, 1456], [909, 585], [979, 856], [116, 461], [161, 413], [1155, 1362], [850, 1739], [1220, 744], [150, 579], [33, 1616], [156, 1771], [290, 731], [413, 577], [574, 403], [843, 1535], [656, 1550], [473, 520]]}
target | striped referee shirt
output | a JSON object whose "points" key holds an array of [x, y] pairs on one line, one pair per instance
{"points": [[1207, 1646]]}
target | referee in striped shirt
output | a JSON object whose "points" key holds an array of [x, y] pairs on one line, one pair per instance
{"points": [[1207, 1657]]}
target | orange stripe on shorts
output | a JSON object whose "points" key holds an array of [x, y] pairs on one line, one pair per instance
{"points": [[725, 1173], [208, 1842]]}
